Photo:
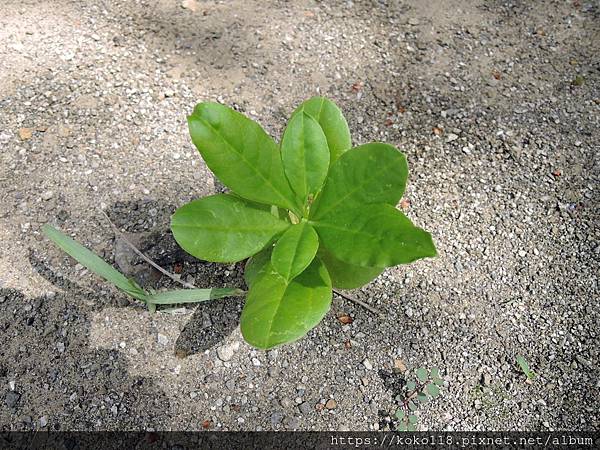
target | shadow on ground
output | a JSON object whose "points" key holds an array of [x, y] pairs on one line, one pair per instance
{"points": [[146, 225], [59, 382]]}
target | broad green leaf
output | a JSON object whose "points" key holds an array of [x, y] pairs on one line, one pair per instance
{"points": [[402, 427], [412, 406], [435, 372], [93, 262], [192, 295], [413, 419], [240, 154], [224, 228], [411, 385], [400, 414], [374, 236], [295, 250], [255, 265], [422, 374], [332, 123], [411, 427], [438, 381], [422, 397], [347, 276], [305, 155], [433, 390], [371, 173], [278, 311]]}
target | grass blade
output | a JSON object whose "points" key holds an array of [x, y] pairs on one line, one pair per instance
{"points": [[192, 295], [93, 262]]}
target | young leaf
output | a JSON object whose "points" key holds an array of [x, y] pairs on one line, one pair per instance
{"points": [[438, 381], [278, 311], [435, 372], [433, 390], [400, 414], [422, 397], [344, 275], [412, 406], [295, 250], [93, 262], [332, 122], [524, 366], [192, 295], [305, 155], [422, 374], [411, 427], [371, 173], [224, 228], [413, 419], [374, 236], [411, 385], [240, 154], [402, 427]]}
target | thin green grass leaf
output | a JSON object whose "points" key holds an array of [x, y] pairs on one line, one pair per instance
{"points": [[93, 262], [192, 295]]}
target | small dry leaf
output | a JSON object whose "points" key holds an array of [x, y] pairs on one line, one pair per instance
{"points": [[178, 268], [192, 5], [309, 14], [389, 122], [207, 424], [25, 133], [41, 128], [496, 74], [437, 131], [347, 345], [345, 319], [357, 86], [331, 404], [404, 204], [399, 366], [401, 109], [556, 173]]}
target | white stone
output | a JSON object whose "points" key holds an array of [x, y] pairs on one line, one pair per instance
{"points": [[226, 352], [162, 339]]}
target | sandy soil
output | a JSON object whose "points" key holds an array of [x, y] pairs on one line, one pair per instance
{"points": [[497, 107]]}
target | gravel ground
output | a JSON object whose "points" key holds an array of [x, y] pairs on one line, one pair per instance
{"points": [[497, 107]]}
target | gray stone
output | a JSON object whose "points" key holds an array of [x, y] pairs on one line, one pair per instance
{"points": [[276, 418], [305, 408], [12, 398]]}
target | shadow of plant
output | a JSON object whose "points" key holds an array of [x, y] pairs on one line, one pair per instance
{"points": [[53, 379], [146, 225], [394, 383]]}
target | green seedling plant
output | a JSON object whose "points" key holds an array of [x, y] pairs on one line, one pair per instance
{"points": [[522, 362], [425, 387], [311, 213], [151, 298]]}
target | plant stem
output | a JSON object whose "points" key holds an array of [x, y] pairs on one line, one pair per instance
{"points": [[145, 258], [359, 302]]}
